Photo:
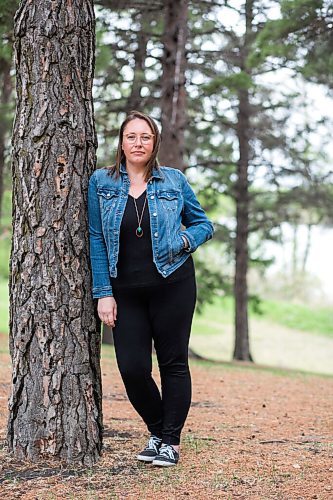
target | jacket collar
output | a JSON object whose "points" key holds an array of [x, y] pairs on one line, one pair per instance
{"points": [[155, 174]]}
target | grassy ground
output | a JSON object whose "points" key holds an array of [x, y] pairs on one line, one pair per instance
{"points": [[284, 336], [250, 434], [291, 315], [219, 314]]}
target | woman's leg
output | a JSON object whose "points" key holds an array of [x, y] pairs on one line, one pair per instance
{"points": [[171, 309], [133, 346]]}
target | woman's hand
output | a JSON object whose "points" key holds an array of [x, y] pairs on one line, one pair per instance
{"points": [[107, 310]]}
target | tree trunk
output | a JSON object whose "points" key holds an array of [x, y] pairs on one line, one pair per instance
{"points": [[55, 404], [135, 101], [307, 247], [6, 83], [173, 101], [242, 347], [294, 258]]}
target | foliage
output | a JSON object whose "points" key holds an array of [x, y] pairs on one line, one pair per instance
{"points": [[303, 35], [7, 11]]}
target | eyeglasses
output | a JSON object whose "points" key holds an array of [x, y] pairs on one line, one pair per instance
{"points": [[144, 138]]}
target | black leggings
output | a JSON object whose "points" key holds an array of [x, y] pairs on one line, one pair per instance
{"points": [[162, 313]]}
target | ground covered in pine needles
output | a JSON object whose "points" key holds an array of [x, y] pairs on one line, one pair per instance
{"points": [[250, 434]]}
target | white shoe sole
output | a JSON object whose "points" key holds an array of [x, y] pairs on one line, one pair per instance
{"points": [[145, 459], [161, 463]]}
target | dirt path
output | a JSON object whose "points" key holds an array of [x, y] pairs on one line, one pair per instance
{"points": [[250, 434]]}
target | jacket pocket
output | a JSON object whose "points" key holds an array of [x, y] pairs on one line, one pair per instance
{"points": [[107, 198], [169, 198]]}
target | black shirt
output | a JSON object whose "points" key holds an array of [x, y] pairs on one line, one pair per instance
{"points": [[135, 265]]}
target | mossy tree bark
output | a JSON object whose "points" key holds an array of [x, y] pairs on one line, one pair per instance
{"points": [[55, 404]]}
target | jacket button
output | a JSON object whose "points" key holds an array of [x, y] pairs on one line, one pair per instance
{"points": [[152, 197], [155, 234], [154, 214], [108, 195]]}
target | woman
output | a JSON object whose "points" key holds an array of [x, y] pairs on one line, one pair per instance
{"points": [[143, 277]]}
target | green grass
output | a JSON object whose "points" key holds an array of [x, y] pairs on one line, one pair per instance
{"points": [[213, 317], [4, 306], [4, 256], [220, 313], [294, 316], [6, 218], [5, 235], [299, 317]]}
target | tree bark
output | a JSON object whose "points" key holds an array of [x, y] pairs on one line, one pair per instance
{"points": [[55, 404], [173, 101], [242, 347]]}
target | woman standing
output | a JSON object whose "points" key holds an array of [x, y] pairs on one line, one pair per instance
{"points": [[144, 280]]}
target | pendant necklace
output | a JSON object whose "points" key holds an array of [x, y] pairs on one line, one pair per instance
{"points": [[139, 230]]}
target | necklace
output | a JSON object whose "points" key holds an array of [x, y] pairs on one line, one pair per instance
{"points": [[139, 230]]}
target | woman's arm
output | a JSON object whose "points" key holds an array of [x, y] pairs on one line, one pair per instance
{"points": [[98, 251], [199, 228]]}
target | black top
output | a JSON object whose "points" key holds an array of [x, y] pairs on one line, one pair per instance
{"points": [[135, 260]]}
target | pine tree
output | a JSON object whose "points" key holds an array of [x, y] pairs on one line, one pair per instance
{"points": [[173, 99], [55, 404]]}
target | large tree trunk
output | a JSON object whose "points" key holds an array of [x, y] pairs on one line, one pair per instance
{"points": [[173, 101], [55, 405], [242, 348]]}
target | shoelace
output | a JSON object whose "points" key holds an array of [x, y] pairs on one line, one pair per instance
{"points": [[167, 451], [153, 443]]}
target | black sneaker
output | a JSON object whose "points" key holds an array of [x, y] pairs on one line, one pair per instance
{"points": [[151, 450], [167, 456]]}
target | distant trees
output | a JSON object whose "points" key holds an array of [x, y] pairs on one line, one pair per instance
{"points": [[7, 9], [55, 403], [303, 35], [302, 39], [253, 154], [208, 71]]}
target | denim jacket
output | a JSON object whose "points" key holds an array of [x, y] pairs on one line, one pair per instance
{"points": [[171, 202]]}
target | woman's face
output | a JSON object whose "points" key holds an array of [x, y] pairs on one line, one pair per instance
{"points": [[138, 142]]}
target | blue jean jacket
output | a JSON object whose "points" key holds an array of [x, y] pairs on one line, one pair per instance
{"points": [[171, 202]]}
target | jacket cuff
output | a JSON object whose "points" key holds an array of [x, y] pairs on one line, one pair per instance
{"points": [[190, 244], [105, 291]]}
